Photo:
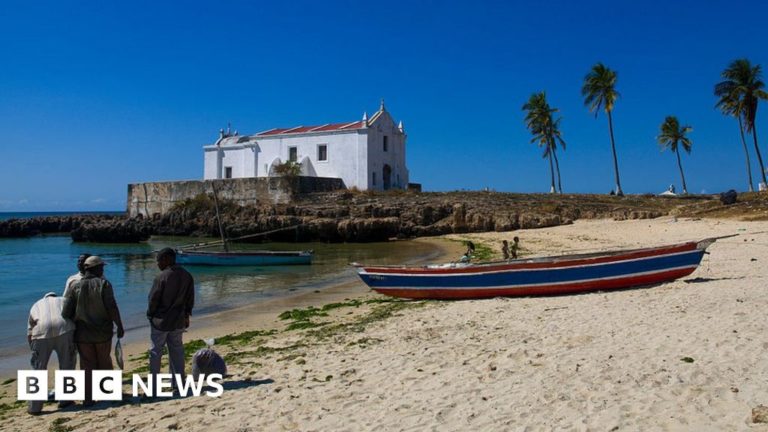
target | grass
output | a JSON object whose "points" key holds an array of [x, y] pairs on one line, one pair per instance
{"points": [[9, 380]]}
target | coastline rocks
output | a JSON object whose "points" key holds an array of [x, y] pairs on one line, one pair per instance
{"points": [[122, 231], [344, 216], [14, 228], [729, 197]]}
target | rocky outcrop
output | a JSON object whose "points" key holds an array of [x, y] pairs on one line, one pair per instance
{"points": [[344, 216], [49, 224], [112, 231]]}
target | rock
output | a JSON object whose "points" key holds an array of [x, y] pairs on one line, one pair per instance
{"points": [[344, 216], [728, 198], [119, 231], [760, 414]]}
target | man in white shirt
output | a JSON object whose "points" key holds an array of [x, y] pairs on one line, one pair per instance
{"points": [[48, 331], [72, 280]]}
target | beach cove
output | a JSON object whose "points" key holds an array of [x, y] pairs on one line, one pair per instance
{"points": [[682, 355]]}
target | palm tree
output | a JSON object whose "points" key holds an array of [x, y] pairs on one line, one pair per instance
{"points": [[599, 91], [730, 105], [546, 132], [673, 135], [556, 137], [743, 82]]}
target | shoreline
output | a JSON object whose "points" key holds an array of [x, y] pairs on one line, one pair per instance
{"points": [[262, 314], [682, 355]]}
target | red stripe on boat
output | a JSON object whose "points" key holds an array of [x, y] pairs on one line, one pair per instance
{"points": [[524, 291], [566, 262]]}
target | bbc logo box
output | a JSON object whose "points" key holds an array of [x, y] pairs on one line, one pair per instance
{"points": [[69, 385]]}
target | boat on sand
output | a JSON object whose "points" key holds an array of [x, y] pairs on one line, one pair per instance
{"points": [[565, 274]]}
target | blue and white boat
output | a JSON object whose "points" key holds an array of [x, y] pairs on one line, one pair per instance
{"points": [[565, 274]]}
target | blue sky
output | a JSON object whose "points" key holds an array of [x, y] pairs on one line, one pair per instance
{"points": [[95, 95]]}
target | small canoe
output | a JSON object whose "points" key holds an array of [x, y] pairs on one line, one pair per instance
{"points": [[243, 258], [538, 276]]}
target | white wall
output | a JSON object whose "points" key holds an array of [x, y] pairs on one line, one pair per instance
{"points": [[352, 155], [394, 156], [343, 156]]}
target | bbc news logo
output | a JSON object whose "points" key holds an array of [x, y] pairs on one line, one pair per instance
{"points": [[107, 385]]}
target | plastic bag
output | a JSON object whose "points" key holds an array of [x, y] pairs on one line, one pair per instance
{"points": [[206, 361], [119, 354]]}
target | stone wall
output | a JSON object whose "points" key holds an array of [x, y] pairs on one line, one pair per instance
{"points": [[152, 198]]}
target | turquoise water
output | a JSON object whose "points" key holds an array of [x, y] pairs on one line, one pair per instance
{"points": [[31, 267]]}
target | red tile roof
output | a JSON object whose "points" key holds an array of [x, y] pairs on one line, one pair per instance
{"points": [[311, 129]]}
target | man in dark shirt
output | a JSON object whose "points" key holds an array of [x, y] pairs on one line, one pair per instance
{"points": [[91, 305], [170, 304]]}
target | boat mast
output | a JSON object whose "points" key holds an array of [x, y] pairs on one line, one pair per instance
{"points": [[218, 217]]}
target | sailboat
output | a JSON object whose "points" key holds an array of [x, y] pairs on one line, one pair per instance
{"points": [[192, 255]]}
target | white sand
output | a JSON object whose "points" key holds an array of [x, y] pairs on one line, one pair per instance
{"points": [[603, 361]]}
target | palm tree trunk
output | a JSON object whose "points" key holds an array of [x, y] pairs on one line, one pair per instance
{"points": [[619, 192], [557, 168], [746, 152], [682, 176], [759, 158], [552, 174]]}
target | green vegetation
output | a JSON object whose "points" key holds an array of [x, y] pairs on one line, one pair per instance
{"points": [[288, 169], [672, 135], [5, 407], [378, 313], [9, 380], [302, 318], [59, 425], [739, 92], [483, 252], [599, 91], [243, 338], [687, 359], [546, 132]]}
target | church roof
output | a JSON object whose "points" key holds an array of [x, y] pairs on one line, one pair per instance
{"points": [[329, 127]]}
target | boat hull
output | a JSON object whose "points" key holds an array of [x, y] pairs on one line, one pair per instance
{"points": [[258, 258], [543, 276]]}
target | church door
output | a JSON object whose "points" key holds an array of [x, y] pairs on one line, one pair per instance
{"points": [[387, 177]]}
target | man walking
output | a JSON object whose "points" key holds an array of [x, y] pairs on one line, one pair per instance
{"points": [[91, 305], [48, 331], [77, 276], [170, 304]]}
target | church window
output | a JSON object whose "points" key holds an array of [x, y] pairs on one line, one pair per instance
{"points": [[322, 152], [293, 154]]}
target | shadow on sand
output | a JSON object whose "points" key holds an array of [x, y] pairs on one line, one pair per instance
{"points": [[705, 279], [129, 399]]}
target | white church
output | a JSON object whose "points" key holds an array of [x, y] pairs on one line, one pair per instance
{"points": [[366, 154]]}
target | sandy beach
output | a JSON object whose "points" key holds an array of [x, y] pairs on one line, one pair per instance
{"points": [[685, 355]]}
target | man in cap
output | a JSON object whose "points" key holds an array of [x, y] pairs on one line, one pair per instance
{"points": [[77, 276], [48, 331], [171, 300], [91, 305]]}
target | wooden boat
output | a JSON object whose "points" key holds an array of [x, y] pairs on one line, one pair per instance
{"points": [[538, 276], [192, 255], [243, 258]]}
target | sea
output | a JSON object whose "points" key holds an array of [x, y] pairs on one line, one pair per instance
{"points": [[32, 267]]}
